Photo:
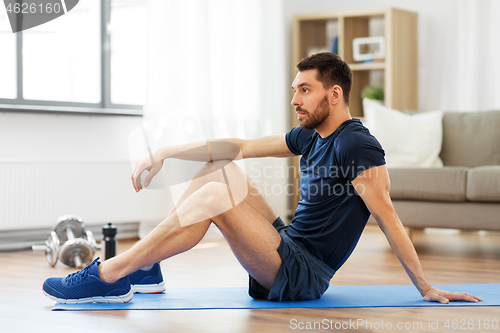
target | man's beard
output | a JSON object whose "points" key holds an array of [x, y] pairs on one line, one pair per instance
{"points": [[317, 117]]}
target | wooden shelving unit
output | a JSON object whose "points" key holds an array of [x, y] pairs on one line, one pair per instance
{"points": [[397, 73]]}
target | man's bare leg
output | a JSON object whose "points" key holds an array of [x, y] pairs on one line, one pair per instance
{"points": [[207, 174], [246, 227]]}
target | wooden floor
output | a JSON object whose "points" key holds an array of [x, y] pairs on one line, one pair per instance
{"points": [[446, 258]]}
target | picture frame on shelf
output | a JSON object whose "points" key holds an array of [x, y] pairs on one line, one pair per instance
{"points": [[368, 48]]}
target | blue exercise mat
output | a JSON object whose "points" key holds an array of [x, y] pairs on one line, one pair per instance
{"points": [[335, 297]]}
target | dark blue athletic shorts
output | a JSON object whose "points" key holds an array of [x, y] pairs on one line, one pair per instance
{"points": [[302, 275]]}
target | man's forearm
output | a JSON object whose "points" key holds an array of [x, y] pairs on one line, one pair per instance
{"points": [[405, 251], [227, 149], [203, 151]]}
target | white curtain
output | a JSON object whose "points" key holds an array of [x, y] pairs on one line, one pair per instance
{"points": [[471, 76], [221, 61], [215, 70]]}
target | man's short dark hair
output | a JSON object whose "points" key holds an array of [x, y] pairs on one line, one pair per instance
{"points": [[331, 70]]}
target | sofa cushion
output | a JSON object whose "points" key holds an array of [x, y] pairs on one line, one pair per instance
{"points": [[471, 139], [438, 214], [483, 184], [408, 140], [441, 184]]}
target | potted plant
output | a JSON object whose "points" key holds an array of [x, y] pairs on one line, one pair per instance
{"points": [[373, 93]]}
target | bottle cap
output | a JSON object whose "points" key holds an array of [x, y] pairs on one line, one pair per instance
{"points": [[109, 230]]}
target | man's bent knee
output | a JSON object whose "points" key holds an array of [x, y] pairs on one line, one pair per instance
{"points": [[219, 197], [211, 200]]}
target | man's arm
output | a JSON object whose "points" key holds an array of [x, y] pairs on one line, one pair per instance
{"points": [[373, 186], [224, 149]]}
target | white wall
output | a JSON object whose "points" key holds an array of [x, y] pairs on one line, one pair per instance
{"points": [[56, 164], [64, 137], [434, 20]]}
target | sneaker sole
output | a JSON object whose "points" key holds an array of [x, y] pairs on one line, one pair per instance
{"points": [[148, 288], [96, 299]]}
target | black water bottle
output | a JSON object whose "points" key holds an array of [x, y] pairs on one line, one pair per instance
{"points": [[109, 241]]}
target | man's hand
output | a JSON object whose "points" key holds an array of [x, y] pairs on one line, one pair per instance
{"points": [[145, 164], [442, 296]]}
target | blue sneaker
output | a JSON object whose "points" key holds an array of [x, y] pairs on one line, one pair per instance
{"points": [[148, 281], [85, 286]]}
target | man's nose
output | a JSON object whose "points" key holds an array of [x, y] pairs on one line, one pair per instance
{"points": [[296, 100]]}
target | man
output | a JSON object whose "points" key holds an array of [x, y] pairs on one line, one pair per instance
{"points": [[344, 179]]}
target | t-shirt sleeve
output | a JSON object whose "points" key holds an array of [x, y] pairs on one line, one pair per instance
{"points": [[358, 151], [298, 139]]}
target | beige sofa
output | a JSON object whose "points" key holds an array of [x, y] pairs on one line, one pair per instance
{"points": [[465, 193]]}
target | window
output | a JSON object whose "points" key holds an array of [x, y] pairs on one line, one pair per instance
{"points": [[93, 59], [127, 29], [61, 58], [8, 81]]}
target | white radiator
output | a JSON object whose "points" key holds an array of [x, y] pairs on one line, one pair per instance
{"points": [[34, 195]]}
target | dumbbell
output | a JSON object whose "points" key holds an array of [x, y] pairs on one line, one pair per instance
{"points": [[70, 242], [75, 250], [51, 248]]}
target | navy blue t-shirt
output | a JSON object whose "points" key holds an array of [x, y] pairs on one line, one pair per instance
{"points": [[331, 216]]}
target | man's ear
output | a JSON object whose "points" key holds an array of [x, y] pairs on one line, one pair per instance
{"points": [[336, 94]]}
